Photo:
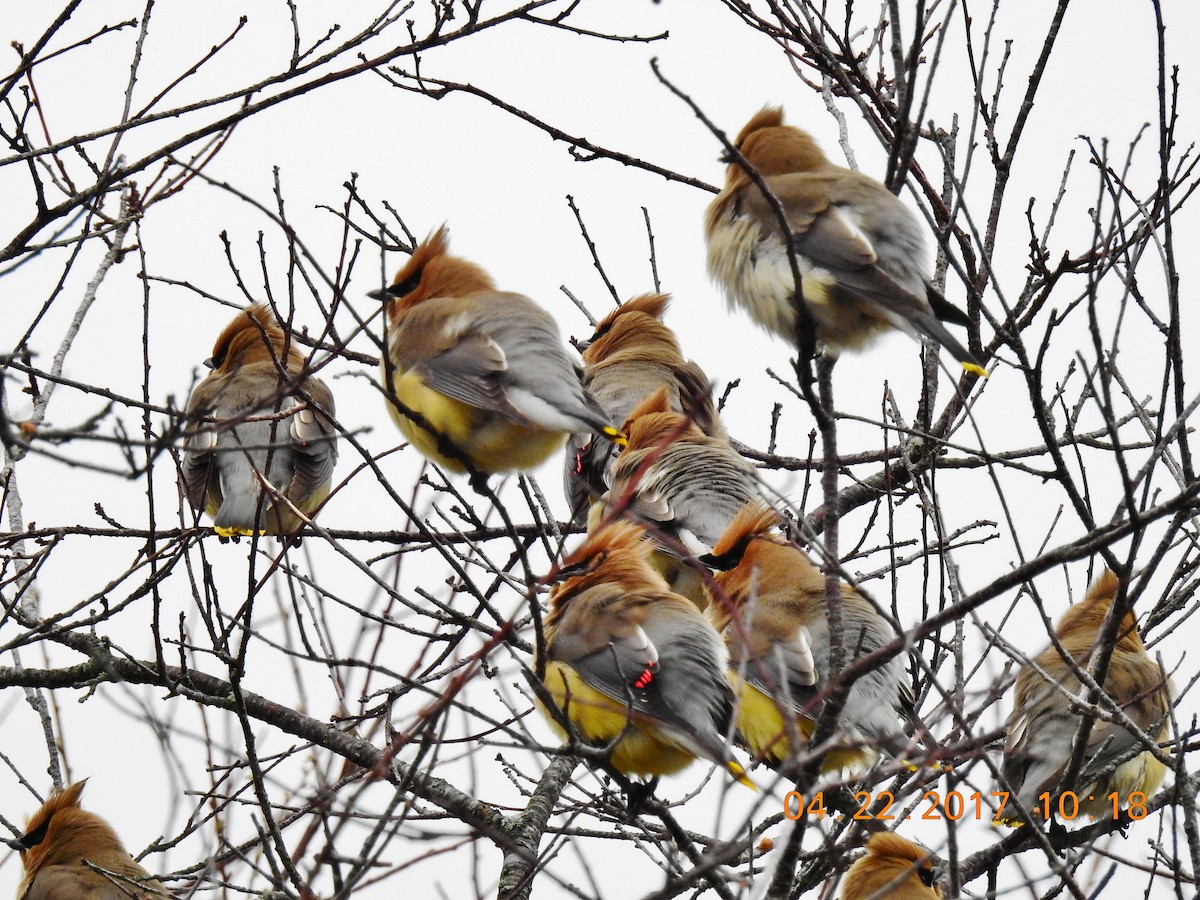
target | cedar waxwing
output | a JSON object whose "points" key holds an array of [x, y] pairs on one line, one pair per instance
{"points": [[894, 868], [1042, 726], [683, 482], [860, 251], [780, 649], [268, 426], [486, 369], [65, 848], [629, 661], [631, 354]]}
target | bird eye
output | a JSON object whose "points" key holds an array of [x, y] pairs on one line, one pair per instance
{"points": [[35, 837], [926, 875], [407, 286]]}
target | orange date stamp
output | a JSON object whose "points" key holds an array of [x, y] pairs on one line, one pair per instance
{"points": [[954, 805]]}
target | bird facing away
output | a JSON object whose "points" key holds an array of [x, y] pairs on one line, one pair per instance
{"points": [[485, 369], [629, 662], [859, 250], [683, 482], [631, 354], [65, 848], [776, 625], [894, 868], [1042, 726], [268, 421]]}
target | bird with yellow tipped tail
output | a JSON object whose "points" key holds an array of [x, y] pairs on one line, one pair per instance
{"points": [[485, 370], [682, 483], [630, 663], [1042, 724], [258, 418], [631, 354], [774, 618], [860, 252]]}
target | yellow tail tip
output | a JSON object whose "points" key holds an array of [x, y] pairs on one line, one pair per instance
{"points": [[740, 775], [617, 437], [1008, 822], [226, 532], [975, 370]]}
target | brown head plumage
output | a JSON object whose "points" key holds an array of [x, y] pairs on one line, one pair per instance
{"points": [[616, 552], [893, 867], [432, 272], [754, 519], [653, 422], [774, 148], [60, 833], [636, 325], [253, 336], [1080, 625]]}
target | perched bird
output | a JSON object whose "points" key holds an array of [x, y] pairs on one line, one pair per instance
{"points": [[775, 623], [266, 420], [687, 484], [893, 868], [485, 369], [631, 354], [1042, 726], [859, 250], [70, 853], [629, 661]]}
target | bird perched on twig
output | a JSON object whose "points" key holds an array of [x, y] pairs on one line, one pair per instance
{"points": [[630, 663], [893, 868], [484, 370], [774, 617], [631, 354], [71, 854], [1042, 725], [683, 483], [258, 420], [859, 250]]}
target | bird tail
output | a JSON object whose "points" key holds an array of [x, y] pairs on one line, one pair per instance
{"points": [[928, 325], [739, 775]]}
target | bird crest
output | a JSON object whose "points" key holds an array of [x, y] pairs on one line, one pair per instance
{"points": [[432, 272], [634, 327], [254, 335], [1086, 617], [767, 117], [887, 843], [654, 422], [39, 823], [752, 520], [617, 551]]}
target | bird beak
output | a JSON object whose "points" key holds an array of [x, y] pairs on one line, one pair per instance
{"points": [[381, 294], [725, 157], [580, 345], [209, 363]]}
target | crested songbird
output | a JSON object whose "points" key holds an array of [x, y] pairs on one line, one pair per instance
{"points": [[776, 625], [859, 250], [1042, 726], [684, 483], [258, 417], [70, 853], [894, 868], [630, 662], [484, 369], [630, 355]]}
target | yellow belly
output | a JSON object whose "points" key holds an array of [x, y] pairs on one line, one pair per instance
{"points": [[491, 442], [760, 727], [641, 750]]}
